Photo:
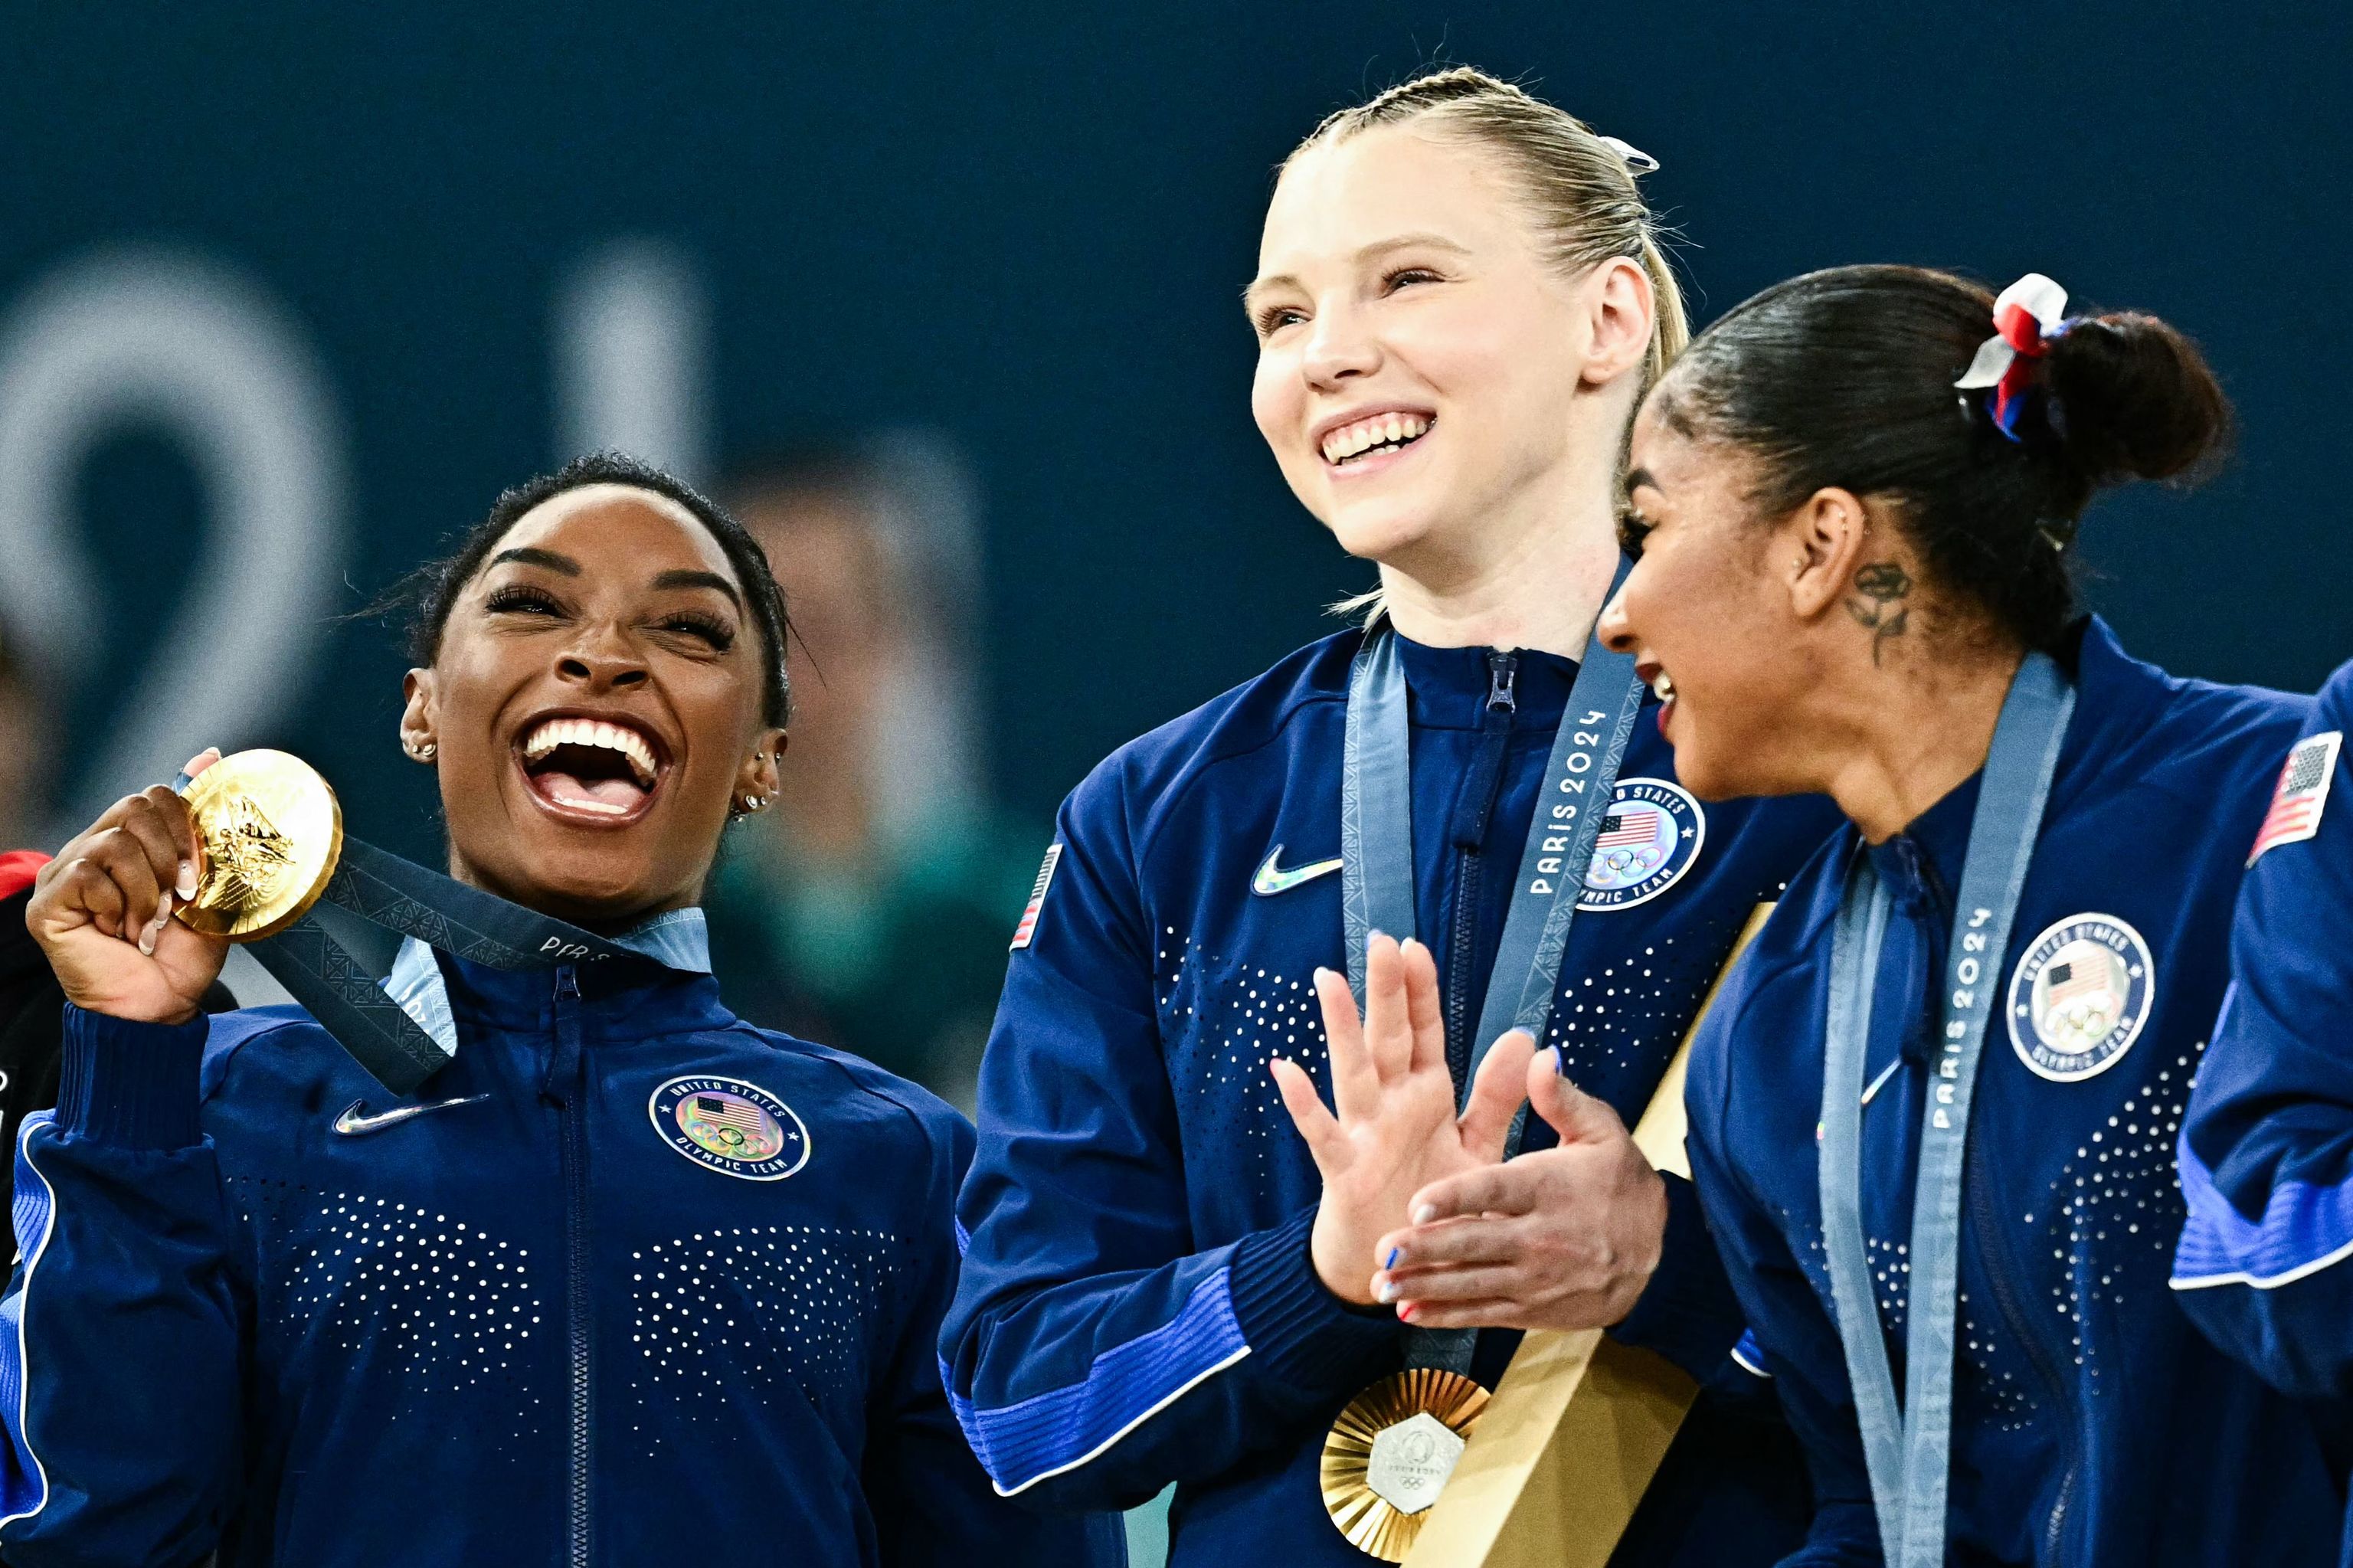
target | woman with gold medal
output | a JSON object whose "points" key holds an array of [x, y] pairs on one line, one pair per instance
{"points": [[622, 1276], [1460, 299]]}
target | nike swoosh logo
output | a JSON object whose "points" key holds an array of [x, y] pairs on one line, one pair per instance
{"points": [[1273, 879], [356, 1123]]}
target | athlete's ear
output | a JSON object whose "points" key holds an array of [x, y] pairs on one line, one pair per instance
{"points": [[759, 777], [1620, 308], [1818, 548], [417, 721]]}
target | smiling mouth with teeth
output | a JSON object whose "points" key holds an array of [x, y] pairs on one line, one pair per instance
{"points": [[1370, 437], [591, 766], [1663, 686]]}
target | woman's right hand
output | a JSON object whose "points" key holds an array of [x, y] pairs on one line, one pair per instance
{"points": [[101, 911]]}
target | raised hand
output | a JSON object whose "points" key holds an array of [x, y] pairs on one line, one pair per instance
{"points": [[1395, 1131], [101, 911], [1562, 1238]]}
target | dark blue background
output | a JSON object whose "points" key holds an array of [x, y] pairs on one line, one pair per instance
{"points": [[1025, 227]]}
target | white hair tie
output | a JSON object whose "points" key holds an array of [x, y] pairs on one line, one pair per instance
{"points": [[1636, 160]]}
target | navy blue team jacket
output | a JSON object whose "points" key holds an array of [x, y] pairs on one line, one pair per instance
{"points": [[638, 1283], [2092, 1424], [1138, 1304], [2267, 1151]]}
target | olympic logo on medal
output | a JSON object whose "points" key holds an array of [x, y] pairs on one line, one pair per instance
{"points": [[2079, 997], [734, 1127], [1650, 837]]}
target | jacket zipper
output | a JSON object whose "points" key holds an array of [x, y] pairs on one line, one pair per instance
{"points": [[1476, 805], [567, 1081], [1997, 1261]]}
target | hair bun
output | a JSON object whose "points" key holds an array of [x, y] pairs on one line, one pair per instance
{"points": [[2133, 398]]}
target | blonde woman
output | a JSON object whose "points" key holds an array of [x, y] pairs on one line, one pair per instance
{"points": [[1460, 299]]}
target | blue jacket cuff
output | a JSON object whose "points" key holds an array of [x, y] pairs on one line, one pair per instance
{"points": [[132, 1086], [1687, 1313], [1306, 1337]]}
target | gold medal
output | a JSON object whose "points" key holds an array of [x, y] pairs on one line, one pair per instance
{"points": [[272, 832], [1389, 1454]]}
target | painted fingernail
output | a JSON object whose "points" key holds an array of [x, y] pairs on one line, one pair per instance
{"points": [[187, 884], [154, 927], [1405, 1313], [1424, 1214], [1560, 1063], [1384, 1291], [1395, 1253]]}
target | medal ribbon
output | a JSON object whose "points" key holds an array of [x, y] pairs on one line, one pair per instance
{"points": [[1908, 1451], [1377, 892], [348, 999]]}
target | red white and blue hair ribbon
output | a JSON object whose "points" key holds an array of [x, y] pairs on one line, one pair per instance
{"points": [[2026, 317]]}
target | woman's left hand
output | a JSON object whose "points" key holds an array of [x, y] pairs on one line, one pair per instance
{"points": [[1562, 1238], [1396, 1132]]}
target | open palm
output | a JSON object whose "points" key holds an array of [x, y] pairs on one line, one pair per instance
{"points": [[1392, 1127]]}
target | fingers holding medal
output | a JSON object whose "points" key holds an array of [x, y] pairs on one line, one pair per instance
{"points": [[102, 910]]}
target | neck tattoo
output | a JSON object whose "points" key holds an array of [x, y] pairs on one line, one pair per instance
{"points": [[1877, 602]]}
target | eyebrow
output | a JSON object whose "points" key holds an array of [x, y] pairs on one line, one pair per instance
{"points": [[685, 578], [1378, 248], [1639, 477], [531, 555]]}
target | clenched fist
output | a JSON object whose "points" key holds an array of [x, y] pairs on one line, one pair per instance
{"points": [[101, 911]]}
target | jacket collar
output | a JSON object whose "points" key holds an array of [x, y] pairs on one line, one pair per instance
{"points": [[2117, 697], [677, 943], [1447, 688]]}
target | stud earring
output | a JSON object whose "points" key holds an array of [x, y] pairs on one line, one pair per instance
{"points": [[424, 750]]}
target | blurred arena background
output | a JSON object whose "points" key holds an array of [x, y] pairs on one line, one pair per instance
{"points": [[946, 299]]}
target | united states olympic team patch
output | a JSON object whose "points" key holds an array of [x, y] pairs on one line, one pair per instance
{"points": [[1648, 841], [731, 1126], [2079, 997]]}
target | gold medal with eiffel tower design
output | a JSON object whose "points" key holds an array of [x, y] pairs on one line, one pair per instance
{"points": [[1389, 1454]]}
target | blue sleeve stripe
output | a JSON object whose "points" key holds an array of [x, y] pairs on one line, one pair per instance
{"points": [[2303, 1230], [1063, 1428], [24, 1482]]}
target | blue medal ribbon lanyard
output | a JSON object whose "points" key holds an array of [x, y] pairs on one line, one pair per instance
{"points": [[1909, 1451], [1377, 883], [348, 999]]}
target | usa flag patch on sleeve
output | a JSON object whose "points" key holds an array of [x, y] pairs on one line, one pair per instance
{"points": [[1028, 926], [2302, 795]]}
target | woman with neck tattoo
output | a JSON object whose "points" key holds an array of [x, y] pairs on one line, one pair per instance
{"points": [[1933, 1115], [624, 1276]]}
